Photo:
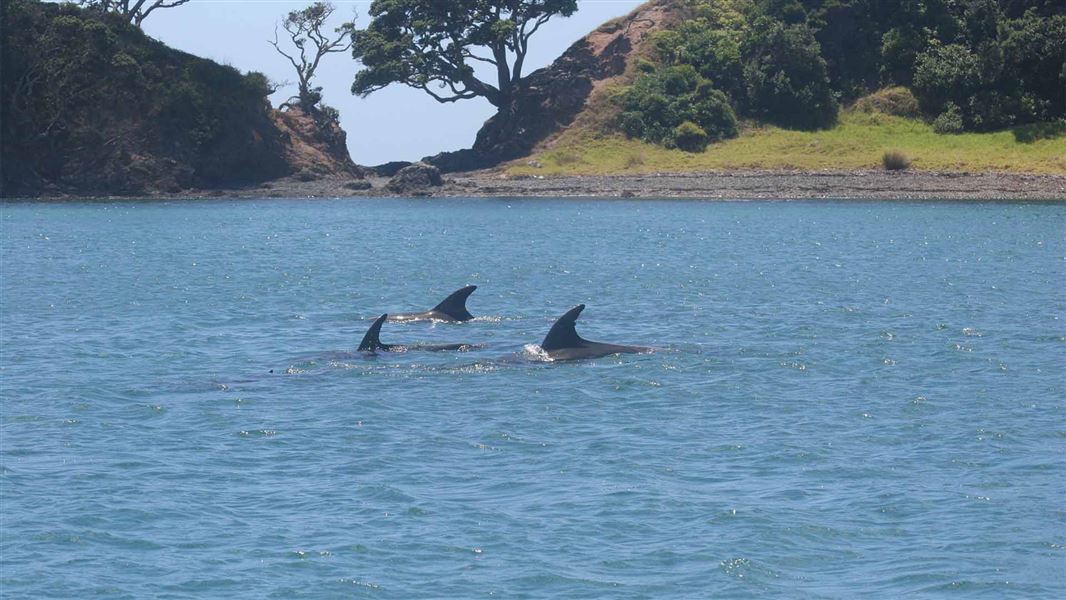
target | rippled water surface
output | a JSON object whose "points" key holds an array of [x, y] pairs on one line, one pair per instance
{"points": [[847, 399]]}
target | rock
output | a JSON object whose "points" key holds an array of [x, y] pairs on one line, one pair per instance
{"points": [[460, 160], [415, 179], [358, 185], [390, 168], [535, 164]]}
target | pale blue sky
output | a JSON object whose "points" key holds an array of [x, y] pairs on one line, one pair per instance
{"points": [[397, 123]]}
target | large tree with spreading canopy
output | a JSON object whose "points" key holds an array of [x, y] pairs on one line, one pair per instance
{"points": [[433, 45]]}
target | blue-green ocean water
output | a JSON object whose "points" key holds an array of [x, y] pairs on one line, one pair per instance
{"points": [[848, 399]]}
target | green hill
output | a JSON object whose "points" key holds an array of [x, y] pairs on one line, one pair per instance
{"points": [[973, 85], [90, 104]]}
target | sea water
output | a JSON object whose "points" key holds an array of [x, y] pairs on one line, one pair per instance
{"points": [[847, 399]]}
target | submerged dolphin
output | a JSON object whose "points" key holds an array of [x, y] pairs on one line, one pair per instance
{"points": [[451, 310], [371, 342], [563, 342]]}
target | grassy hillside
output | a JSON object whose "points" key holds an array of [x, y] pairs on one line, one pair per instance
{"points": [[858, 142], [975, 85]]}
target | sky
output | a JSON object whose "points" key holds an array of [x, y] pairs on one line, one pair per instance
{"points": [[396, 123]]}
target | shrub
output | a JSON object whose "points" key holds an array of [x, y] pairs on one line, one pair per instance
{"points": [[659, 102], [711, 110], [785, 76], [896, 101], [945, 73], [690, 137], [895, 161], [949, 121], [633, 124]]}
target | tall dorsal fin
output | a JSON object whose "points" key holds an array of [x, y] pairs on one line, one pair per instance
{"points": [[372, 341], [564, 333], [455, 305]]}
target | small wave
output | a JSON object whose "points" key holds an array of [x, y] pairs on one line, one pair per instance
{"points": [[535, 353]]}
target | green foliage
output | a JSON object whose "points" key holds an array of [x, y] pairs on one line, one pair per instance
{"points": [[945, 73], [789, 62], [999, 72], [714, 52], [949, 121], [86, 96], [785, 77], [690, 137], [768, 68], [433, 45], [659, 103]]}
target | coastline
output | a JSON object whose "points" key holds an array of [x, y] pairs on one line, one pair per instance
{"points": [[713, 185]]}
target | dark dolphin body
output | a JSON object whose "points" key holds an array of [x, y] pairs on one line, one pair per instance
{"points": [[372, 343], [563, 342], [451, 310]]}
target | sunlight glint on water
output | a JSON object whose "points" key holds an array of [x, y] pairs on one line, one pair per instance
{"points": [[848, 399]]}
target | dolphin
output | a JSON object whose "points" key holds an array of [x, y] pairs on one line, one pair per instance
{"points": [[451, 310], [372, 342], [563, 342]]}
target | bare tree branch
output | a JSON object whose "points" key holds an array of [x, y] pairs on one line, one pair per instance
{"points": [[305, 28]]}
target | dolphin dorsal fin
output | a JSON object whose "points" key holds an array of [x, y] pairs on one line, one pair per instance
{"points": [[455, 305], [372, 341], [564, 333]]}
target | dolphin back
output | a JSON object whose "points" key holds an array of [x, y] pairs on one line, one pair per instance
{"points": [[372, 341], [564, 333], [455, 305]]}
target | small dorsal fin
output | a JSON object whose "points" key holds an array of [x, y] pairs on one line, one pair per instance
{"points": [[455, 305], [564, 333], [372, 341]]}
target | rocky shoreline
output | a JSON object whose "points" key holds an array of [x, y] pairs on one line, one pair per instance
{"points": [[737, 185]]}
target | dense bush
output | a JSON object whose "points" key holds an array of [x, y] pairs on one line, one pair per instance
{"points": [[1000, 63], [690, 137], [785, 76], [712, 50], [659, 102]]}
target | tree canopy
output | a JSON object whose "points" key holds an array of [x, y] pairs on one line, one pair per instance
{"points": [[433, 45], [972, 65]]}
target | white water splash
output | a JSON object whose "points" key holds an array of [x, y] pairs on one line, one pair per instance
{"points": [[535, 352]]}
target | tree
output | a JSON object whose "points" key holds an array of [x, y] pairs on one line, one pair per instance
{"points": [[135, 11], [786, 77], [305, 29], [433, 45]]}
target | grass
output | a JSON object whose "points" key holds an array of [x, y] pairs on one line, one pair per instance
{"points": [[859, 141], [895, 161]]}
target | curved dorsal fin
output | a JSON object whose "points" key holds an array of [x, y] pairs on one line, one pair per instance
{"points": [[455, 305], [564, 333], [371, 341]]}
